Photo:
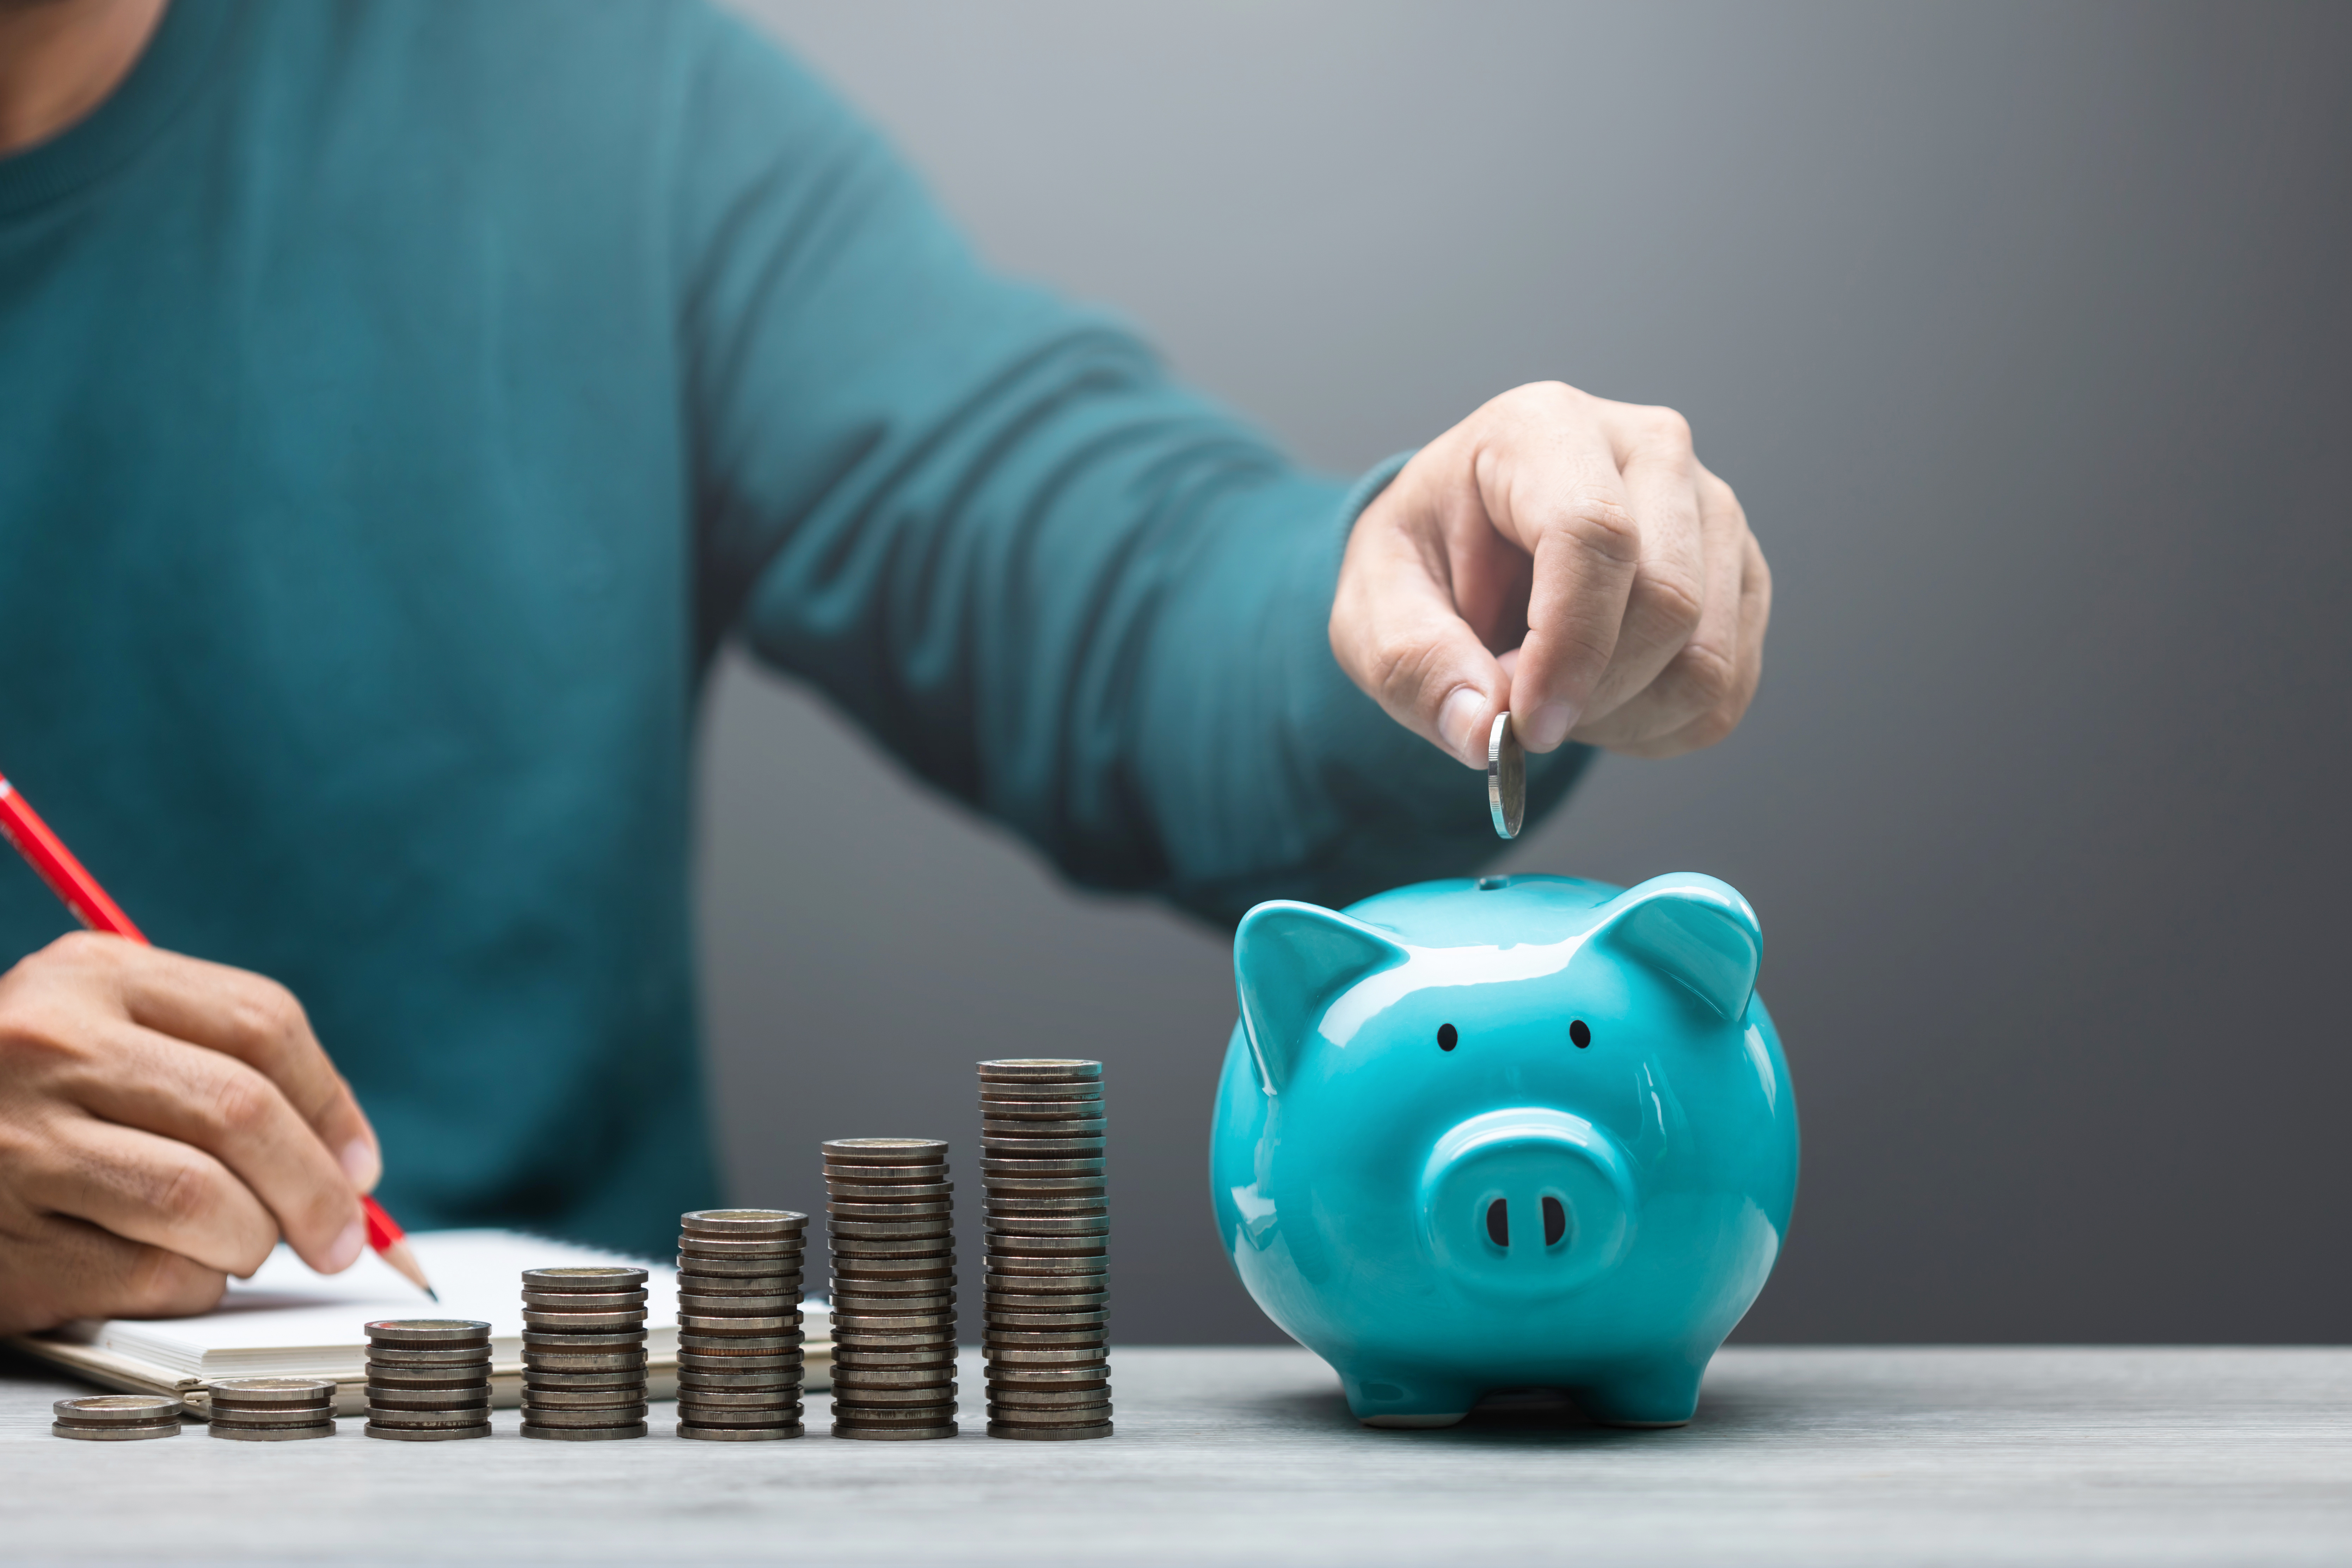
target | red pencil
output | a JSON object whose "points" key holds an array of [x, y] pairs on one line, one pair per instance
{"points": [[45, 852]]}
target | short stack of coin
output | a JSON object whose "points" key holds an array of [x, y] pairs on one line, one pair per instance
{"points": [[738, 1324], [429, 1379], [272, 1409], [116, 1418], [583, 1353], [1049, 1265], [891, 1214]]}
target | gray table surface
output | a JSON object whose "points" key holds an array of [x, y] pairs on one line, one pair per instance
{"points": [[1249, 1456]]}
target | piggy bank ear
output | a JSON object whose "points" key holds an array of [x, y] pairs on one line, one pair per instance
{"points": [[1289, 960], [1697, 932]]}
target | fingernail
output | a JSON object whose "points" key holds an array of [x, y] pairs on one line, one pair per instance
{"points": [[346, 1249], [361, 1164], [1457, 722], [1550, 727]]}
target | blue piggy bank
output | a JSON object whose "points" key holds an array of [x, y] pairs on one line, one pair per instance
{"points": [[1520, 1131]]}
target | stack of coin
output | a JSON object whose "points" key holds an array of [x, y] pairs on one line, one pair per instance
{"points": [[583, 1353], [891, 1213], [1049, 1265], [738, 1324], [116, 1418], [429, 1379], [272, 1409]]}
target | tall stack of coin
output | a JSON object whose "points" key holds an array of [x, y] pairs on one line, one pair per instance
{"points": [[429, 1379], [1048, 1229], [583, 1353], [272, 1409], [891, 1212], [116, 1418], [738, 1324]]}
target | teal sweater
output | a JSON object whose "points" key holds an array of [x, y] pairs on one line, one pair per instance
{"points": [[401, 402]]}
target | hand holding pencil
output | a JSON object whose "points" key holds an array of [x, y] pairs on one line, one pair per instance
{"points": [[163, 1120]]}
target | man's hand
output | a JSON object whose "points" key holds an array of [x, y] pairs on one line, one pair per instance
{"points": [[163, 1121], [1568, 559]]}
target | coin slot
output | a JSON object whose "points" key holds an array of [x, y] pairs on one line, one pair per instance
{"points": [[1499, 1222], [1554, 1215], [1447, 1037], [1581, 1034]]}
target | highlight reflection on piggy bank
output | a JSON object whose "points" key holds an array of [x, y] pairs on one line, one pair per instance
{"points": [[1520, 1131]]}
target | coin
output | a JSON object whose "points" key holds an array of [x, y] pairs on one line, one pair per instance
{"points": [[587, 1277], [117, 1409], [742, 1222], [730, 1365], [866, 1192], [780, 1254], [429, 1379], [556, 1361], [1061, 1416], [846, 1358], [1507, 777], [1053, 1069], [583, 1434], [242, 1433], [429, 1333], [885, 1150], [582, 1301], [739, 1382], [860, 1171], [739, 1434], [598, 1415], [1047, 1433], [748, 1344], [271, 1390], [425, 1434], [463, 1355], [1046, 1398], [539, 1399], [789, 1416], [629, 1341], [1056, 1166], [891, 1434]]}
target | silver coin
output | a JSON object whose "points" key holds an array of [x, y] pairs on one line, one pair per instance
{"points": [[923, 1255], [462, 1355], [737, 1323], [571, 1365], [995, 1147], [1059, 1165], [1036, 1091], [1000, 1376], [1061, 1416], [892, 1323], [427, 1333], [428, 1377], [1090, 1188], [1060, 1068], [1046, 1224], [721, 1363], [941, 1227], [1005, 1247], [273, 1416], [778, 1308], [1046, 1398], [113, 1431], [942, 1376], [888, 1213], [739, 1434], [1048, 1434], [278, 1391], [599, 1416], [1049, 1355], [425, 1434], [583, 1434], [854, 1303], [580, 1301], [462, 1417], [861, 1170], [592, 1277], [242, 1433], [737, 1398], [113, 1409], [1043, 1321], [919, 1415], [584, 1322], [1507, 777], [626, 1343], [742, 1222], [536, 1400], [475, 1405], [747, 1344], [891, 1434], [995, 1125], [894, 1338], [885, 1150], [739, 1382], [1058, 1206], [1083, 1272], [888, 1191], [777, 1255], [779, 1282], [741, 1415], [578, 1381], [847, 1358]]}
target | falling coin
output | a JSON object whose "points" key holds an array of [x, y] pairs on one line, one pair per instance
{"points": [[1507, 778]]}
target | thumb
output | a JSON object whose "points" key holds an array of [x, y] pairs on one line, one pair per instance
{"points": [[1396, 632]]}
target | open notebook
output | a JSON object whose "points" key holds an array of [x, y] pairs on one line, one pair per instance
{"points": [[288, 1321]]}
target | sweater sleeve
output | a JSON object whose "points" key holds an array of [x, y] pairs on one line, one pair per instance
{"points": [[989, 527]]}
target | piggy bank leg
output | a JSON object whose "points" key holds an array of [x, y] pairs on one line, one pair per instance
{"points": [[1392, 1398], [1661, 1394]]}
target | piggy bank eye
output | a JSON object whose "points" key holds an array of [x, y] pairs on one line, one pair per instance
{"points": [[1446, 1037], [1579, 1034]]}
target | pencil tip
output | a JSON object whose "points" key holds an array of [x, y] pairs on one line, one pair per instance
{"points": [[435, 1294]]}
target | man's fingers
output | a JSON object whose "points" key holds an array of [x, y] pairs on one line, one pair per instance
{"points": [[1680, 576], [1702, 668], [1397, 633], [240, 1117], [1566, 501], [72, 1268], [259, 1022], [1714, 723], [148, 1189]]}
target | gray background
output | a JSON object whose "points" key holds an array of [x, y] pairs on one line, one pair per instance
{"points": [[2022, 332]]}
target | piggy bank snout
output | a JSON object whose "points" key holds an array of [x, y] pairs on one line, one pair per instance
{"points": [[1527, 1203]]}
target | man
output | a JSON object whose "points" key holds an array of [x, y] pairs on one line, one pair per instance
{"points": [[400, 402]]}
